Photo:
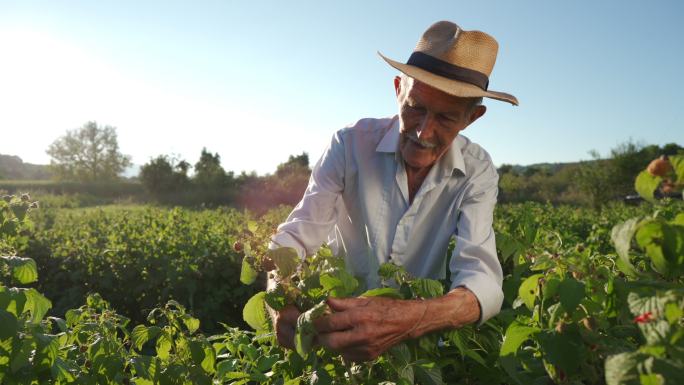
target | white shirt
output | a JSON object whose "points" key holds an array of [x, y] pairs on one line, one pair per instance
{"points": [[357, 200]]}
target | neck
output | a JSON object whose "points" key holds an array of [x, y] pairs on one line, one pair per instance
{"points": [[415, 177]]}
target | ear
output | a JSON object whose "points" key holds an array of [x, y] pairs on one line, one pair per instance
{"points": [[397, 85], [476, 113]]}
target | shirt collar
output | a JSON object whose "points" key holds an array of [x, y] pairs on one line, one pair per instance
{"points": [[449, 162]]}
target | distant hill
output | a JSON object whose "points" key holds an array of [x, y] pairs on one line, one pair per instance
{"points": [[12, 167]]}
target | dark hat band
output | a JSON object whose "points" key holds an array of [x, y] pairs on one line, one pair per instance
{"points": [[448, 70]]}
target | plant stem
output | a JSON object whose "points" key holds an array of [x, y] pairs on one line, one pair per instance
{"points": [[352, 379]]}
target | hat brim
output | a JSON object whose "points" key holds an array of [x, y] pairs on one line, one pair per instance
{"points": [[451, 87]]}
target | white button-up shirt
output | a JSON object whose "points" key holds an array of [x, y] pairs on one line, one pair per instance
{"points": [[358, 201]]}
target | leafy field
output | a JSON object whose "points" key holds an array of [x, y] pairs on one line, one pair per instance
{"points": [[591, 297]]}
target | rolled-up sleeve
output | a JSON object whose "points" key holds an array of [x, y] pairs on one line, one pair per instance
{"points": [[309, 224], [474, 263]]}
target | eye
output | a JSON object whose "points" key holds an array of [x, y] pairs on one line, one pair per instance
{"points": [[446, 119]]}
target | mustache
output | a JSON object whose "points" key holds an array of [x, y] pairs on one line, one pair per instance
{"points": [[412, 136]]}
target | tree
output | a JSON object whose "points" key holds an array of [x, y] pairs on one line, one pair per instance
{"points": [[164, 175], [89, 153], [208, 171]]}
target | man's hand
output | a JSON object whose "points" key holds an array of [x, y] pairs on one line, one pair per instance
{"points": [[363, 328], [284, 324]]}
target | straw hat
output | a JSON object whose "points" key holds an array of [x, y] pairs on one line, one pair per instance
{"points": [[455, 61]]}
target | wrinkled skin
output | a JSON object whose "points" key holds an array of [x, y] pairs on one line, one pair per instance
{"points": [[284, 324], [361, 329]]}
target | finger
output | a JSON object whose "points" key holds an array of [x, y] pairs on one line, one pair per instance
{"points": [[337, 341], [289, 315], [342, 304], [285, 335], [334, 322]]}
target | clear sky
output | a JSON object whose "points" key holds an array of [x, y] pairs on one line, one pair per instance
{"points": [[258, 81]]}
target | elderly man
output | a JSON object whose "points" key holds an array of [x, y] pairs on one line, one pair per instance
{"points": [[397, 189]]}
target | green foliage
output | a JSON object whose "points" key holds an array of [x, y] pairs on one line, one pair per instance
{"points": [[89, 153], [142, 257]]}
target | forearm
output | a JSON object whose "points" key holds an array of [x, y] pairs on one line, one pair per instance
{"points": [[454, 310]]}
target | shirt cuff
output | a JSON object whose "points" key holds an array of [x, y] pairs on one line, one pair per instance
{"points": [[488, 293]]}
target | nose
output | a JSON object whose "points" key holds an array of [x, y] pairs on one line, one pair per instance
{"points": [[426, 128]]}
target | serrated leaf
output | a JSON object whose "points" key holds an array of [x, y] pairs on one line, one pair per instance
{"points": [[528, 290], [677, 162], [275, 297], [163, 346], [621, 368], [621, 235], [305, 331], [387, 270], [141, 334], [254, 312], [37, 304], [428, 373], [286, 260], [507, 246], [571, 293], [20, 357], [562, 350], [389, 292], [646, 184], [515, 335], [24, 270], [8, 324], [247, 273], [338, 282], [191, 323], [427, 288]]}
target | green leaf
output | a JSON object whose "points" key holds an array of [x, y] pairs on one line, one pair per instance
{"points": [[507, 246], [20, 357], [621, 236], [8, 324], [286, 260], [338, 282], [515, 335], [387, 270], [562, 350], [305, 331], [141, 334], [427, 288], [621, 368], [144, 367], [24, 270], [164, 344], [37, 304], [571, 293], [646, 184], [664, 244], [64, 371], [677, 162], [389, 292], [528, 290], [247, 273], [254, 312], [428, 373], [275, 297], [252, 226], [191, 323]]}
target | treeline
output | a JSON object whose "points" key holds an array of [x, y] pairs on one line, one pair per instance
{"points": [[168, 181], [589, 183]]}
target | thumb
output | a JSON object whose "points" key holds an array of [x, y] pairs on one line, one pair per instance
{"points": [[342, 304]]}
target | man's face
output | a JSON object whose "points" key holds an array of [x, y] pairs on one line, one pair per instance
{"points": [[429, 121]]}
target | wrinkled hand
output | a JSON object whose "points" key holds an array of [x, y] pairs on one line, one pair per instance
{"points": [[284, 324], [361, 329]]}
